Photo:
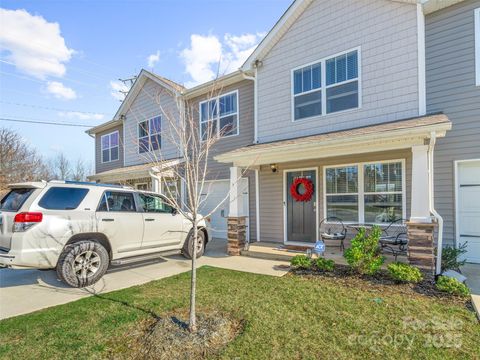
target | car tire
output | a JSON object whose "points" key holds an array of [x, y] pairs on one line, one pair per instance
{"points": [[82, 263], [187, 250]]}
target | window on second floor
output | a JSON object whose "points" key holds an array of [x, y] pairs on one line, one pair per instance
{"points": [[327, 86], [149, 134], [219, 116], [110, 147]]}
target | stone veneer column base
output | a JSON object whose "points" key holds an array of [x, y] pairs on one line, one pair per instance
{"points": [[236, 234], [421, 246]]}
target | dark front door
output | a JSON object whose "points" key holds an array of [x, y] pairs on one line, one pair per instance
{"points": [[301, 224]]}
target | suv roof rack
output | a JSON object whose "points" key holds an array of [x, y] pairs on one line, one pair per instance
{"points": [[90, 183]]}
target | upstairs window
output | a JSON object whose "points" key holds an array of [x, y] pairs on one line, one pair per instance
{"points": [[327, 86], [110, 145], [219, 116], [149, 135]]}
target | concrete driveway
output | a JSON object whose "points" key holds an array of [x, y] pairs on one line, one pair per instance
{"points": [[24, 291]]}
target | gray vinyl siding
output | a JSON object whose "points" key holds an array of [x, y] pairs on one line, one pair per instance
{"points": [[218, 171], [144, 107], [271, 188], [101, 167], [245, 89], [450, 65], [385, 30]]}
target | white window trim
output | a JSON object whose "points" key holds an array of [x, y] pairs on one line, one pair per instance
{"points": [[217, 119], [477, 45], [138, 134], [324, 86], [361, 189], [110, 147]]}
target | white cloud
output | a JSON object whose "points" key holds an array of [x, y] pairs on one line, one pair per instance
{"points": [[80, 115], [60, 91], [34, 45], [153, 59], [116, 88], [207, 55]]}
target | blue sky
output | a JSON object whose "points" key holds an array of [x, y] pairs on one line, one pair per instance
{"points": [[60, 60]]}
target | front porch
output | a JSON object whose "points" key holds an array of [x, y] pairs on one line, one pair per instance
{"points": [[371, 175]]}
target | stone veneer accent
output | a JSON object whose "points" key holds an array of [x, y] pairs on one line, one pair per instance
{"points": [[236, 234], [421, 245]]}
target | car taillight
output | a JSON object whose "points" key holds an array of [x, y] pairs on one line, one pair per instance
{"points": [[24, 221]]}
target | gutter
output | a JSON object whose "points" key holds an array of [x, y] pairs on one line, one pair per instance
{"points": [[436, 215]]}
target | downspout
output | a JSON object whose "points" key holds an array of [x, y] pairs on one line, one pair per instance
{"points": [[436, 215]]}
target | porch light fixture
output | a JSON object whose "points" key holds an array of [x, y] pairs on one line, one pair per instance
{"points": [[273, 167]]}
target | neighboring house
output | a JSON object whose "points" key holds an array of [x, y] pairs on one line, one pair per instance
{"points": [[453, 87], [341, 94], [139, 134]]}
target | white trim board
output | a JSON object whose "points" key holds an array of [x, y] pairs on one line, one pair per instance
{"points": [[477, 45]]}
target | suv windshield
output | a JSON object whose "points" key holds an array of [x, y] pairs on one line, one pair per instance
{"points": [[14, 200]]}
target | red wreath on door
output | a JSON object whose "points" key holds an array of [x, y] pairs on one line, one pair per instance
{"points": [[307, 185]]}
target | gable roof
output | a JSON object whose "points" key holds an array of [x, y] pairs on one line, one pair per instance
{"points": [[298, 7], [171, 86]]}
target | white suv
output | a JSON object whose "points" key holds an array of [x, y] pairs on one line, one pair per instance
{"points": [[81, 228]]}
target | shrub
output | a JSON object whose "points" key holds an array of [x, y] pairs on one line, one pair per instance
{"points": [[364, 256], [325, 264], [404, 273], [301, 262], [450, 257], [452, 286]]}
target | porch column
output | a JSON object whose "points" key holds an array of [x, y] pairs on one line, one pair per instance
{"points": [[157, 183], [421, 230], [236, 222], [420, 211]]}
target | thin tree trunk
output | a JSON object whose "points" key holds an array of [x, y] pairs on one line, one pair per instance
{"points": [[192, 325]]}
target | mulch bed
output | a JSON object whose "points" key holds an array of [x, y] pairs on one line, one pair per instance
{"points": [[381, 281], [168, 337]]}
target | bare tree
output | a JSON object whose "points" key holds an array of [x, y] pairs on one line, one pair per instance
{"points": [[18, 161], [79, 171], [60, 167], [195, 148]]}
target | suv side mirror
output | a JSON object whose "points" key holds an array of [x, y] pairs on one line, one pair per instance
{"points": [[174, 211]]}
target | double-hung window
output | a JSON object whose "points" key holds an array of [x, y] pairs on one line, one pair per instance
{"points": [[369, 192], [110, 147], [327, 86], [219, 116], [149, 134]]}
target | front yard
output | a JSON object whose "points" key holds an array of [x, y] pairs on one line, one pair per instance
{"points": [[284, 318]]}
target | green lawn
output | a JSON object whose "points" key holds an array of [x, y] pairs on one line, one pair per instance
{"points": [[286, 318]]}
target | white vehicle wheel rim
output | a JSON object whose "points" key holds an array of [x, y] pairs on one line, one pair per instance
{"points": [[86, 264]]}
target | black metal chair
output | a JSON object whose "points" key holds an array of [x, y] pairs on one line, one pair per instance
{"points": [[332, 228], [394, 239]]}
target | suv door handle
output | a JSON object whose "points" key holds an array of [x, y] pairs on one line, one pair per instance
{"points": [[108, 219], [149, 219]]}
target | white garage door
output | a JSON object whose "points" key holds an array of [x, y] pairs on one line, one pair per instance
{"points": [[217, 190], [468, 220]]}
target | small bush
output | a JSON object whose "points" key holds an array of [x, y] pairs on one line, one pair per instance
{"points": [[450, 256], [404, 273], [364, 256], [301, 262], [452, 286], [325, 264]]}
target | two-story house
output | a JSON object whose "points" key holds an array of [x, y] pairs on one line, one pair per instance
{"points": [[130, 148], [341, 110]]}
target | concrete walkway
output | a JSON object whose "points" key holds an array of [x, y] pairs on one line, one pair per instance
{"points": [[24, 291], [472, 272]]}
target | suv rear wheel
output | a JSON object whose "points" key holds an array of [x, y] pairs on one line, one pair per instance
{"points": [[82, 263], [188, 246]]}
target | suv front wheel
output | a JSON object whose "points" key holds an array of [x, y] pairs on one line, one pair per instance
{"points": [[187, 250], [82, 263]]}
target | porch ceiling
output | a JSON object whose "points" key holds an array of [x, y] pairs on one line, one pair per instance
{"points": [[386, 136]]}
